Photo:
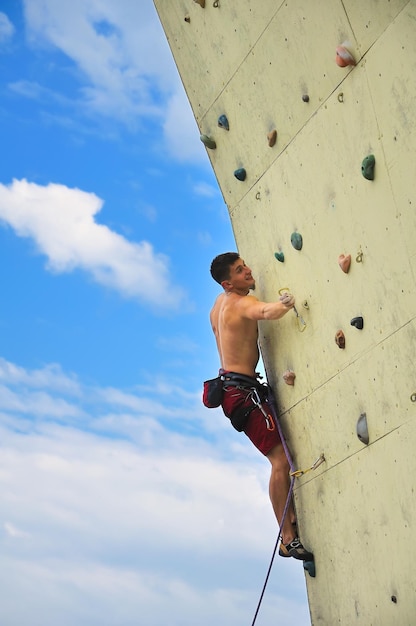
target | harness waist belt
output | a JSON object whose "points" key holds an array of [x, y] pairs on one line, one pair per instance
{"points": [[235, 379]]}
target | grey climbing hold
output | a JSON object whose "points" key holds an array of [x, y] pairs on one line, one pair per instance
{"points": [[240, 174], [309, 566], [208, 142], [362, 429], [201, 3], [358, 322], [296, 241], [280, 256], [223, 122], [305, 97]]}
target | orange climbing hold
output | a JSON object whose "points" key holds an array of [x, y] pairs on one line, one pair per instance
{"points": [[344, 57], [289, 377], [271, 138], [340, 339], [344, 261]]}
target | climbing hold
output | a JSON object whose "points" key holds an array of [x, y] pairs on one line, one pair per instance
{"points": [[296, 241], [358, 322], [362, 429], [280, 256], [340, 339], [271, 138], [240, 174], [216, 4], [201, 3], [413, 397], [340, 97], [309, 566], [305, 305], [344, 261], [223, 122], [208, 142], [367, 167], [305, 97], [289, 377], [258, 195], [359, 257], [187, 19], [343, 56]]}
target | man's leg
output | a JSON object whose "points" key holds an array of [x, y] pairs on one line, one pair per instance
{"points": [[279, 489]]}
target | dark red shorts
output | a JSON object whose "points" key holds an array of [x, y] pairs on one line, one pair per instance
{"points": [[263, 435]]}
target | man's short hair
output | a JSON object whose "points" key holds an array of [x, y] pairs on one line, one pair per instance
{"points": [[220, 266]]}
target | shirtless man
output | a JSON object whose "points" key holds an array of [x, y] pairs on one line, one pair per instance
{"points": [[234, 318]]}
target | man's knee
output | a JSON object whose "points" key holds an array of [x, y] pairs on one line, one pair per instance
{"points": [[278, 459]]}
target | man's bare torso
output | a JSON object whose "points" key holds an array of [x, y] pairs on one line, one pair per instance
{"points": [[236, 335]]}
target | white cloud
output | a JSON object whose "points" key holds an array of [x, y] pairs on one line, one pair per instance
{"points": [[111, 526], [126, 68], [61, 222], [6, 29], [204, 189]]}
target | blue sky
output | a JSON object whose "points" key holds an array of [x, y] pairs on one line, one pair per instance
{"points": [[124, 501]]}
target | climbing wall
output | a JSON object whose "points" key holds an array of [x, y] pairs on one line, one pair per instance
{"points": [[301, 208]]}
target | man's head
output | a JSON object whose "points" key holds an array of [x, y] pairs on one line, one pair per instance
{"points": [[230, 271], [221, 265]]}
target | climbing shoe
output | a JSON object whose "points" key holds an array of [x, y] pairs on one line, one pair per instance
{"points": [[296, 550]]}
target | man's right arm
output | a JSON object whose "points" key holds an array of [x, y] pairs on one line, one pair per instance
{"points": [[254, 309]]}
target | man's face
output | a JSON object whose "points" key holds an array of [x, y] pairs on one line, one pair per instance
{"points": [[241, 276]]}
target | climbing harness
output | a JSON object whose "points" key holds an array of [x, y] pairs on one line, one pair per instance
{"points": [[300, 320], [255, 389], [293, 474]]}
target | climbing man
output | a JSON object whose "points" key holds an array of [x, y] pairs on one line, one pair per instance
{"points": [[234, 318]]}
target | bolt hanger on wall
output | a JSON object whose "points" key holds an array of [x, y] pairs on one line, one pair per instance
{"points": [[300, 320]]}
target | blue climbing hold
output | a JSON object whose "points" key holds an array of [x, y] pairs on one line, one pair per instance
{"points": [[223, 122], [279, 256], [296, 241], [240, 174]]}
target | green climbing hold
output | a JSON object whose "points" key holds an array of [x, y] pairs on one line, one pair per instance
{"points": [[367, 167], [279, 256], [296, 241], [208, 142], [240, 174]]}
